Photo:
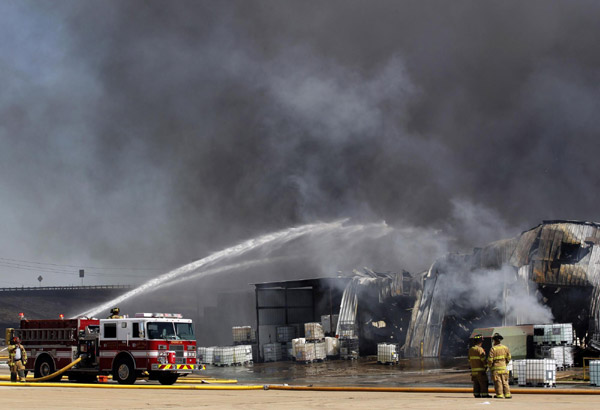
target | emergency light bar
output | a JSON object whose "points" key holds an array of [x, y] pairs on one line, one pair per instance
{"points": [[165, 315]]}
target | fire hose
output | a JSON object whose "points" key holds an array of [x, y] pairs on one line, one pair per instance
{"points": [[429, 389], [50, 376], [315, 388]]}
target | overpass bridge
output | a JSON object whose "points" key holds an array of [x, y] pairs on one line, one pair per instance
{"points": [[48, 302]]}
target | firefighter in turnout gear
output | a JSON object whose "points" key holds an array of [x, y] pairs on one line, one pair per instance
{"points": [[114, 314], [477, 361], [17, 359], [497, 360]]}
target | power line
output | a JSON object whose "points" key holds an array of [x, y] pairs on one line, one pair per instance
{"points": [[65, 272], [77, 266]]}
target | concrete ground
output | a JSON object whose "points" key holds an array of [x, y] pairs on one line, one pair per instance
{"points": [[336, 373], [88, 398]]}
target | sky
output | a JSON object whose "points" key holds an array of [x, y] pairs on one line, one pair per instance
{"points": [[138, 136]]}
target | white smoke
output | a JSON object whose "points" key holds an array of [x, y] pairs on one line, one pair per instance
{"points": [[468, 291]]}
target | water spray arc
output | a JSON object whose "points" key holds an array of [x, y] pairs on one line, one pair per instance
{"points": [[278, 238]]}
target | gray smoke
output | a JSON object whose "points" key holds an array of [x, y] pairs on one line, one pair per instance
{"points": [[476, 291], [151, 134]]}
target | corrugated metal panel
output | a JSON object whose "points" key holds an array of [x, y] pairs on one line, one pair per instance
{"points": [[347, 318], [572, 275], [522, 250], [523, 279], [497, 254], [299, 297], [426, 326], [271, 316], [271, 297]]}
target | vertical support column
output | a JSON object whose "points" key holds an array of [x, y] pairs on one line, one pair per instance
{"points": [[257, 324], [330, 311], [285, 303], [314, 308]]}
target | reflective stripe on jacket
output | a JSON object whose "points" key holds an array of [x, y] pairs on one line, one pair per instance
{"points": [[498, 359], [477, 359]]}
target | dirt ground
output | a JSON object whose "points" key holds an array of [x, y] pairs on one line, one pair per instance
{"points": [[88, 398]]}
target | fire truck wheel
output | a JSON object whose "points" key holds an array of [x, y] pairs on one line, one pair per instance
{"points": [[45, 366], [168, 378], [124, 371]]}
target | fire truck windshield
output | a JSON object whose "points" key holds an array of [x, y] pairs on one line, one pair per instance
{"points": [[185, 331], [170, 331], [161, 330]]}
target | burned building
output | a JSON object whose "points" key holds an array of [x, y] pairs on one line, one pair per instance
{"points": [[372, 307], [548, 273], [555, 263]]}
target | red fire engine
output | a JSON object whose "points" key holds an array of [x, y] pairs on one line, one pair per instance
{"points": [[161, 344]]}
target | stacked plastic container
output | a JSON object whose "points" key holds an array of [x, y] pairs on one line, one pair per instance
{"points": [[387, 353], [205, 355], [555, 341], [563, 356], [286, 334], [553, 334], [595, 372], [320, 350], [223, 356], [295, 343], [313, 331], [272, 352], [349, 348], [535, 372], [305, 352], [242, 354], [332, 347], [243, 334]]}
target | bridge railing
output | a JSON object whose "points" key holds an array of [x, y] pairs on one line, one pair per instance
{"points": [[47, 288]]}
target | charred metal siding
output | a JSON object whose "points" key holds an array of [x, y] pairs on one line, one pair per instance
{"points": [[557, 253]]}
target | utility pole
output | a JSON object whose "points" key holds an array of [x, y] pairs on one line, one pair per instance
{"points": [[81, 274]]}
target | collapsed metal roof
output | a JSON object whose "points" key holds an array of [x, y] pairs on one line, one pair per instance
{"points": [[554, 253]]}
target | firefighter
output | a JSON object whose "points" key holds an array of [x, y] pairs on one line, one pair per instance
{"points": [[497, 360], [478, 367], [17, 359], [114, 313]]}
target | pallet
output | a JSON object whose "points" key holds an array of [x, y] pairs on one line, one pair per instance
{"points": [[222, 364], [545, 385], [388, 363]]}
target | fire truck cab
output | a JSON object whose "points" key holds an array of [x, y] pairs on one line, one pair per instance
{"points": [[160, 346]]}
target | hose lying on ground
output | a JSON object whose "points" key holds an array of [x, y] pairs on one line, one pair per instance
{"points": [[431, 389], [136, 386], [50, 376]]}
